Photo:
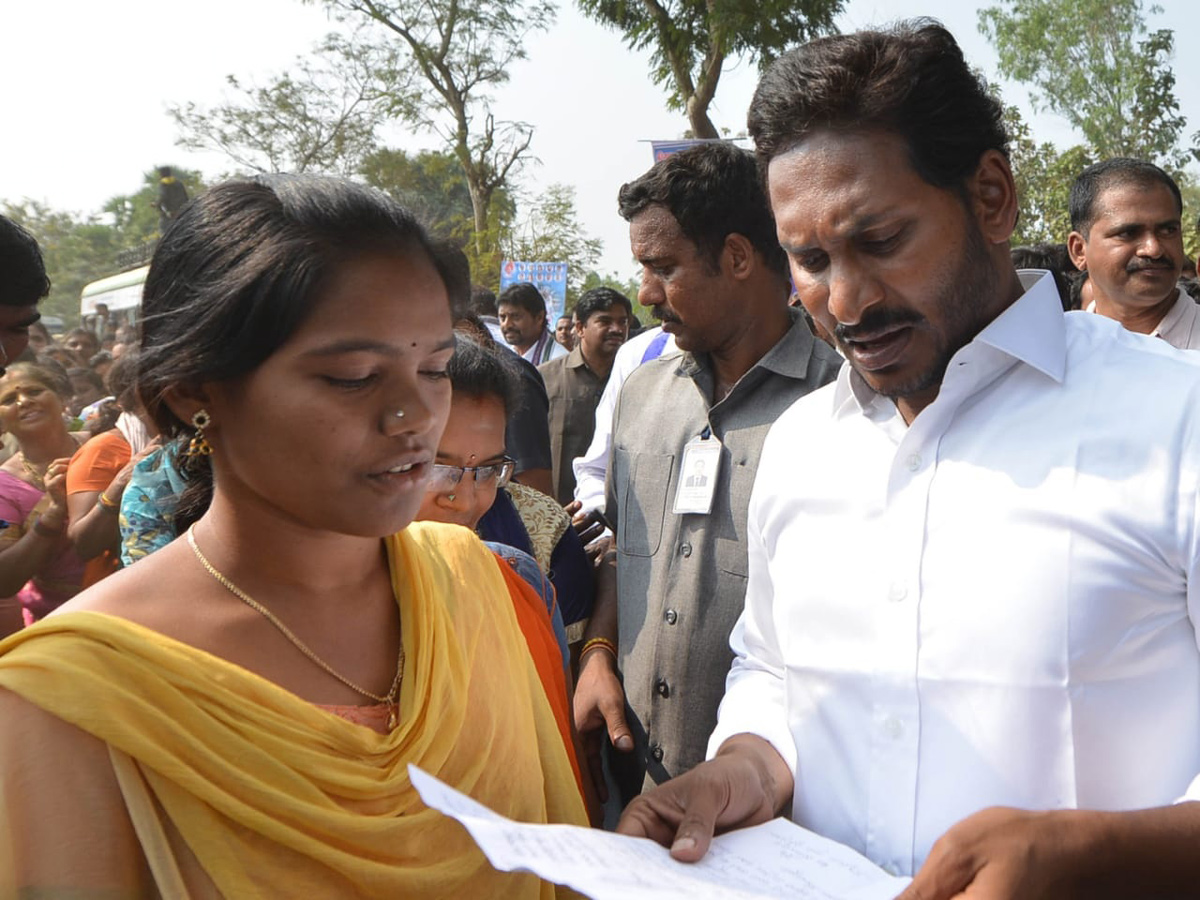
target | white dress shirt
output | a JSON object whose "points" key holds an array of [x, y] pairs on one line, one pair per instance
{"points": [[591, 469], [994, 605]]}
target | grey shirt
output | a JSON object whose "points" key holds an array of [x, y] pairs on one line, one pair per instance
{"points": [[681, 579]]}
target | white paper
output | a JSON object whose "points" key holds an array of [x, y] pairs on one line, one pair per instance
{"points": [[775, 860]]}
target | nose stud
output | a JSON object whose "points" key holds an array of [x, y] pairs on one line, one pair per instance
{"points": [[450, 496], [399, 414]]}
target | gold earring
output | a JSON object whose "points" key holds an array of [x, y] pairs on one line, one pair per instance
{"points": [[199, 446]]}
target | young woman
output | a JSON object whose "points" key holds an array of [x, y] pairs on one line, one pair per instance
{"points": [[252, 694], [39, 569]]}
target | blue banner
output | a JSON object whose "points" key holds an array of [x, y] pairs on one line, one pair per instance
{"points": [[550, 278]]}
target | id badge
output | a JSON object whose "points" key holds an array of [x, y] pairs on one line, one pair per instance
{"points": [[698, 476]]}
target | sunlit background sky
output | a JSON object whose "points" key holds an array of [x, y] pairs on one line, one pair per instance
{"points": [[87, 84]]}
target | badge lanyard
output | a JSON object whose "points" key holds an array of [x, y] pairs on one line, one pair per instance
{"points": [[698, 474]]}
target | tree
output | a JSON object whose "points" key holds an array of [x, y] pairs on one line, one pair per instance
{"points": [[79, 249], [551, 232], [456, 52], [431, 183], [135, 216], [1086, 60], [321, 117], [76, 250], [690, 40], [1043, 176]]}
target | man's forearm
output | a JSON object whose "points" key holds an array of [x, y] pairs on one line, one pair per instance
{"points": [[1147, 853], [604, 620]]}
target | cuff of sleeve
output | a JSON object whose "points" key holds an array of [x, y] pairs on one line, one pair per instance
{"points": [[777, 734]]}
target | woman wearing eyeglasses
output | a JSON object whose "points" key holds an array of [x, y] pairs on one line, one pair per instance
{"points": [[472, 486]]}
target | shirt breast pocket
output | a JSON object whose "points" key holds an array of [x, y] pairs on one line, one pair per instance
{"points": [[639, 531]]}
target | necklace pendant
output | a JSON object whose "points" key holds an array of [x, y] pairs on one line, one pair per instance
{"points": [[392, 719]]}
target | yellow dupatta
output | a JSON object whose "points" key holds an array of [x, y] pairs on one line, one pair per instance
{"points": [[234, 784]]}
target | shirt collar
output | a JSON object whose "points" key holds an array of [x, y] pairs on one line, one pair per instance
{"points": [[1174, 314], [789, 357], [575, 358], [1032, 331]]}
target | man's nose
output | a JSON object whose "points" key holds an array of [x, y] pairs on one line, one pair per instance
{"points": [[851, 291]]}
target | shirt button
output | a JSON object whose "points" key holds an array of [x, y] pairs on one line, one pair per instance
{"points": [[671, 616], [662, 688], [893, 727], [657, 753], [897, 592], [914, 462], [686, 549]]}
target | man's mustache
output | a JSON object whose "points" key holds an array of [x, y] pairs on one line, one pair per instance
{"points": [[874, 322]]}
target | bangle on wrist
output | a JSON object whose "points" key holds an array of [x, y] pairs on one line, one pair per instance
{"points": [[107, 504], [49, 531], [598, 643]]}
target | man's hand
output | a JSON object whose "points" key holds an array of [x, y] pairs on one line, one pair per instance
{"points": [[599, 706], [589, 526], [1000, 854], [747, 783]]}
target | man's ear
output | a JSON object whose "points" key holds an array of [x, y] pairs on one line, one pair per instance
{"points": [[738, 254], [994, 197], [186, 400], [1077, 249]]}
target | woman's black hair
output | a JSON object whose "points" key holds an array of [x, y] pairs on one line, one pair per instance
{"points": [[237, 273], [479, 371], [48, 372]]}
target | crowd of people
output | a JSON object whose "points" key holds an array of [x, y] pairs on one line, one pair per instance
{"points": [[885, 526]]}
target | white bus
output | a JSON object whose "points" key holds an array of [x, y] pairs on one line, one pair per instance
{"points": [[121, 293]]}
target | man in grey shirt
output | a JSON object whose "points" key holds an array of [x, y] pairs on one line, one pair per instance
{"points": [[713, 273]]}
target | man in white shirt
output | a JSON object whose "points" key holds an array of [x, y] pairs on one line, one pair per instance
{"points": [[1127, 234], [969, 644]]}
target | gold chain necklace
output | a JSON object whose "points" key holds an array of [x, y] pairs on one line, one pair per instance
{"points": [[391, 698], [39, 478]]}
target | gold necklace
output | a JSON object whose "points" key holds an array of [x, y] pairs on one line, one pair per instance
{"points": [[391, 698], [39, 478]]}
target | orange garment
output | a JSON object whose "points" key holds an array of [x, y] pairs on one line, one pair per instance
{"points": [[543, 647], [93, 468]]}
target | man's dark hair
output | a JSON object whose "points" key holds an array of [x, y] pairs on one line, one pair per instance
{"points": [[1055, 259], [600, 299], [483, 301], [712, 190], [910, 80], [1117, 172], [524, 295], [23, 280]]}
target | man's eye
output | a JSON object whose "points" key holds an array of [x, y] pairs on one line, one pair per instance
{"points": [[350, 384], [812, 262]]}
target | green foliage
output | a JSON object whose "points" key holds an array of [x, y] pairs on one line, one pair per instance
{"points": [[1043, 176], [80, 249], [320, 117], [1087, 61], [551, 232], [431, 183], [690, 40], [627, 286], [135, 216], [450, 55]]}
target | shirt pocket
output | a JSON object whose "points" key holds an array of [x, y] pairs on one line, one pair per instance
{"points": [[644, 510]]}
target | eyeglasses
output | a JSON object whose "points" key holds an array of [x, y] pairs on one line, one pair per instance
{"points": [[446, 477]]}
